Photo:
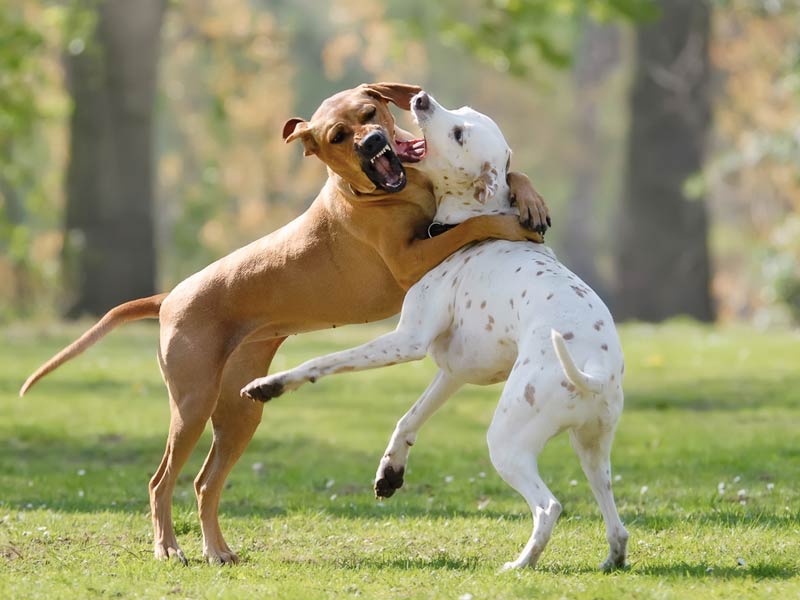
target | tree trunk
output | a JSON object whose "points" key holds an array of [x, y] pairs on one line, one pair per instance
{"points": [[109, 251], [663, 261], [597, 55]]}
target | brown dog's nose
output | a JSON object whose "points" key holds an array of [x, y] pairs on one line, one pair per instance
{"points": [[373, 143], [422, 101]]}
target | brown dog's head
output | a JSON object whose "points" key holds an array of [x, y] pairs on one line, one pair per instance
{"points": [[354, 133]]}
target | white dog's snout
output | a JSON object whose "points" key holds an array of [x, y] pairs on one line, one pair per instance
{"points": [[422, 101], [422, 105]]}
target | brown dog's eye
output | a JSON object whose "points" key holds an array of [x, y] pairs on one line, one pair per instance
{"points": [[338, 138], [369, 114], [458, 134]]}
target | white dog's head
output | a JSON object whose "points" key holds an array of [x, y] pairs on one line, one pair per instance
{"points": [[466, 155]]}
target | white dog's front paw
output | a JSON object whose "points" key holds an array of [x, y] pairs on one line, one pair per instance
{"points": [[389, 478], [267, 388], [515, 565]]}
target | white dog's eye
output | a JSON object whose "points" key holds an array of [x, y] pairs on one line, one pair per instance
{"points": [[458, 134]]}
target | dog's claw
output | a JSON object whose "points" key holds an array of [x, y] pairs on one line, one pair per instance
{"points": [[171, 553], [391, 481], [262, 391]]}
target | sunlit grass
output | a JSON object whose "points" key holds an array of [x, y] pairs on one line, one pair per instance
{"points": [[707, 456]]}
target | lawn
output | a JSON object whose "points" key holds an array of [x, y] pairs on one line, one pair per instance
{"points": [[707, 461]]}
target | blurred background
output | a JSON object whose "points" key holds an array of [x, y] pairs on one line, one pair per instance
{"points": [[141, 140]]}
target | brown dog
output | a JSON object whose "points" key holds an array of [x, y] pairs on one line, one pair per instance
{"points": [[348, 259]]}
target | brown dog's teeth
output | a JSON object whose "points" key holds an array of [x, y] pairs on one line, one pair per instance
{"points": [[383, 151]]}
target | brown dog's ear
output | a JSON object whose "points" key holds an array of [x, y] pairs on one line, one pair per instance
{"points": [[299, 128], [486, 183], [398, 93]]}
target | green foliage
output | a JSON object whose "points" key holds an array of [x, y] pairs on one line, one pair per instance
{"points": [[32, 106], [512, 34], [18, 108], [781, 266], [706, 452]]}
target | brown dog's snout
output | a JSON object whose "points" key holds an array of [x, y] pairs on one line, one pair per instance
{"points": [[373, 143], [421, 101]]}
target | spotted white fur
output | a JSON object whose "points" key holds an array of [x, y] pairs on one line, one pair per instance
{"points": [[499, 311]]}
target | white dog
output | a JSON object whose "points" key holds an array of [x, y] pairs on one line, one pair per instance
{"points": [[491, 312]]}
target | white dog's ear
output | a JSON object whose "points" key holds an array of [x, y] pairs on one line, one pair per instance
{"points": [[486, 184]]}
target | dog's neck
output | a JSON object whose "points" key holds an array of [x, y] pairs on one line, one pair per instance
{"points": [[454, 207]]}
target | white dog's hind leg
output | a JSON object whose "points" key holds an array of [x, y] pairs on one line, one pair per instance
{"points": [[593, 447], [515, 438], [389, 477]]}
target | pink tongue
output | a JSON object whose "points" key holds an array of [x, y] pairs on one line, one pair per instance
{"points": [[383, 166], [411, 150]]}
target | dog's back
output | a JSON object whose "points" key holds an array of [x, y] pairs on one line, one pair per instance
{"points": [[505, 299]]}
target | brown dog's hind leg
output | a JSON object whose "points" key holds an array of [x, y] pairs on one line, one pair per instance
{"points": [[234, 420], [193, 385]]}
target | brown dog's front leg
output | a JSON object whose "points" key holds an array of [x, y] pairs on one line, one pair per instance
{"points": [[533, 211], [418, 256]]}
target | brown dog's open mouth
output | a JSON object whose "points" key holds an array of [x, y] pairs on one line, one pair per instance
{"points": [[385, 170], [385, 167]]}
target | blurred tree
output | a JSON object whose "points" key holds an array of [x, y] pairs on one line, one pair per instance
{"points": [[754, 178], [109, 249], [663, 265], [598, 52], [18, 113]]}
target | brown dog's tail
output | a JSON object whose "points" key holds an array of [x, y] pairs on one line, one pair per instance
{"points": [[143, 308]]}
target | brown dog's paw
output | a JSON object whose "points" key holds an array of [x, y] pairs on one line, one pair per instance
{"points": [[389, 483], [262, 390], [533, 211]]}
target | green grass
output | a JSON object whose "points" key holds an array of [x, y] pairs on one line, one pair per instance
{"points": [[703, 406]]}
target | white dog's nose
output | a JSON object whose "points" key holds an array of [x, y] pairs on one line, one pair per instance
{"points": [[422, 101]]}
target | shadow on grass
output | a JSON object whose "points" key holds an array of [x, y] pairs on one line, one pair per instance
{"points": [[704, 571], [437, 562], [681, 570]]}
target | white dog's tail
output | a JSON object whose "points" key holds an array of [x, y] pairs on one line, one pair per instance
{"points": [[578, 378]]}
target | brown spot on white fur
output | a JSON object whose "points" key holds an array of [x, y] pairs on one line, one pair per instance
{"points": [[530, 394], [579, 291], [569, 335]]}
